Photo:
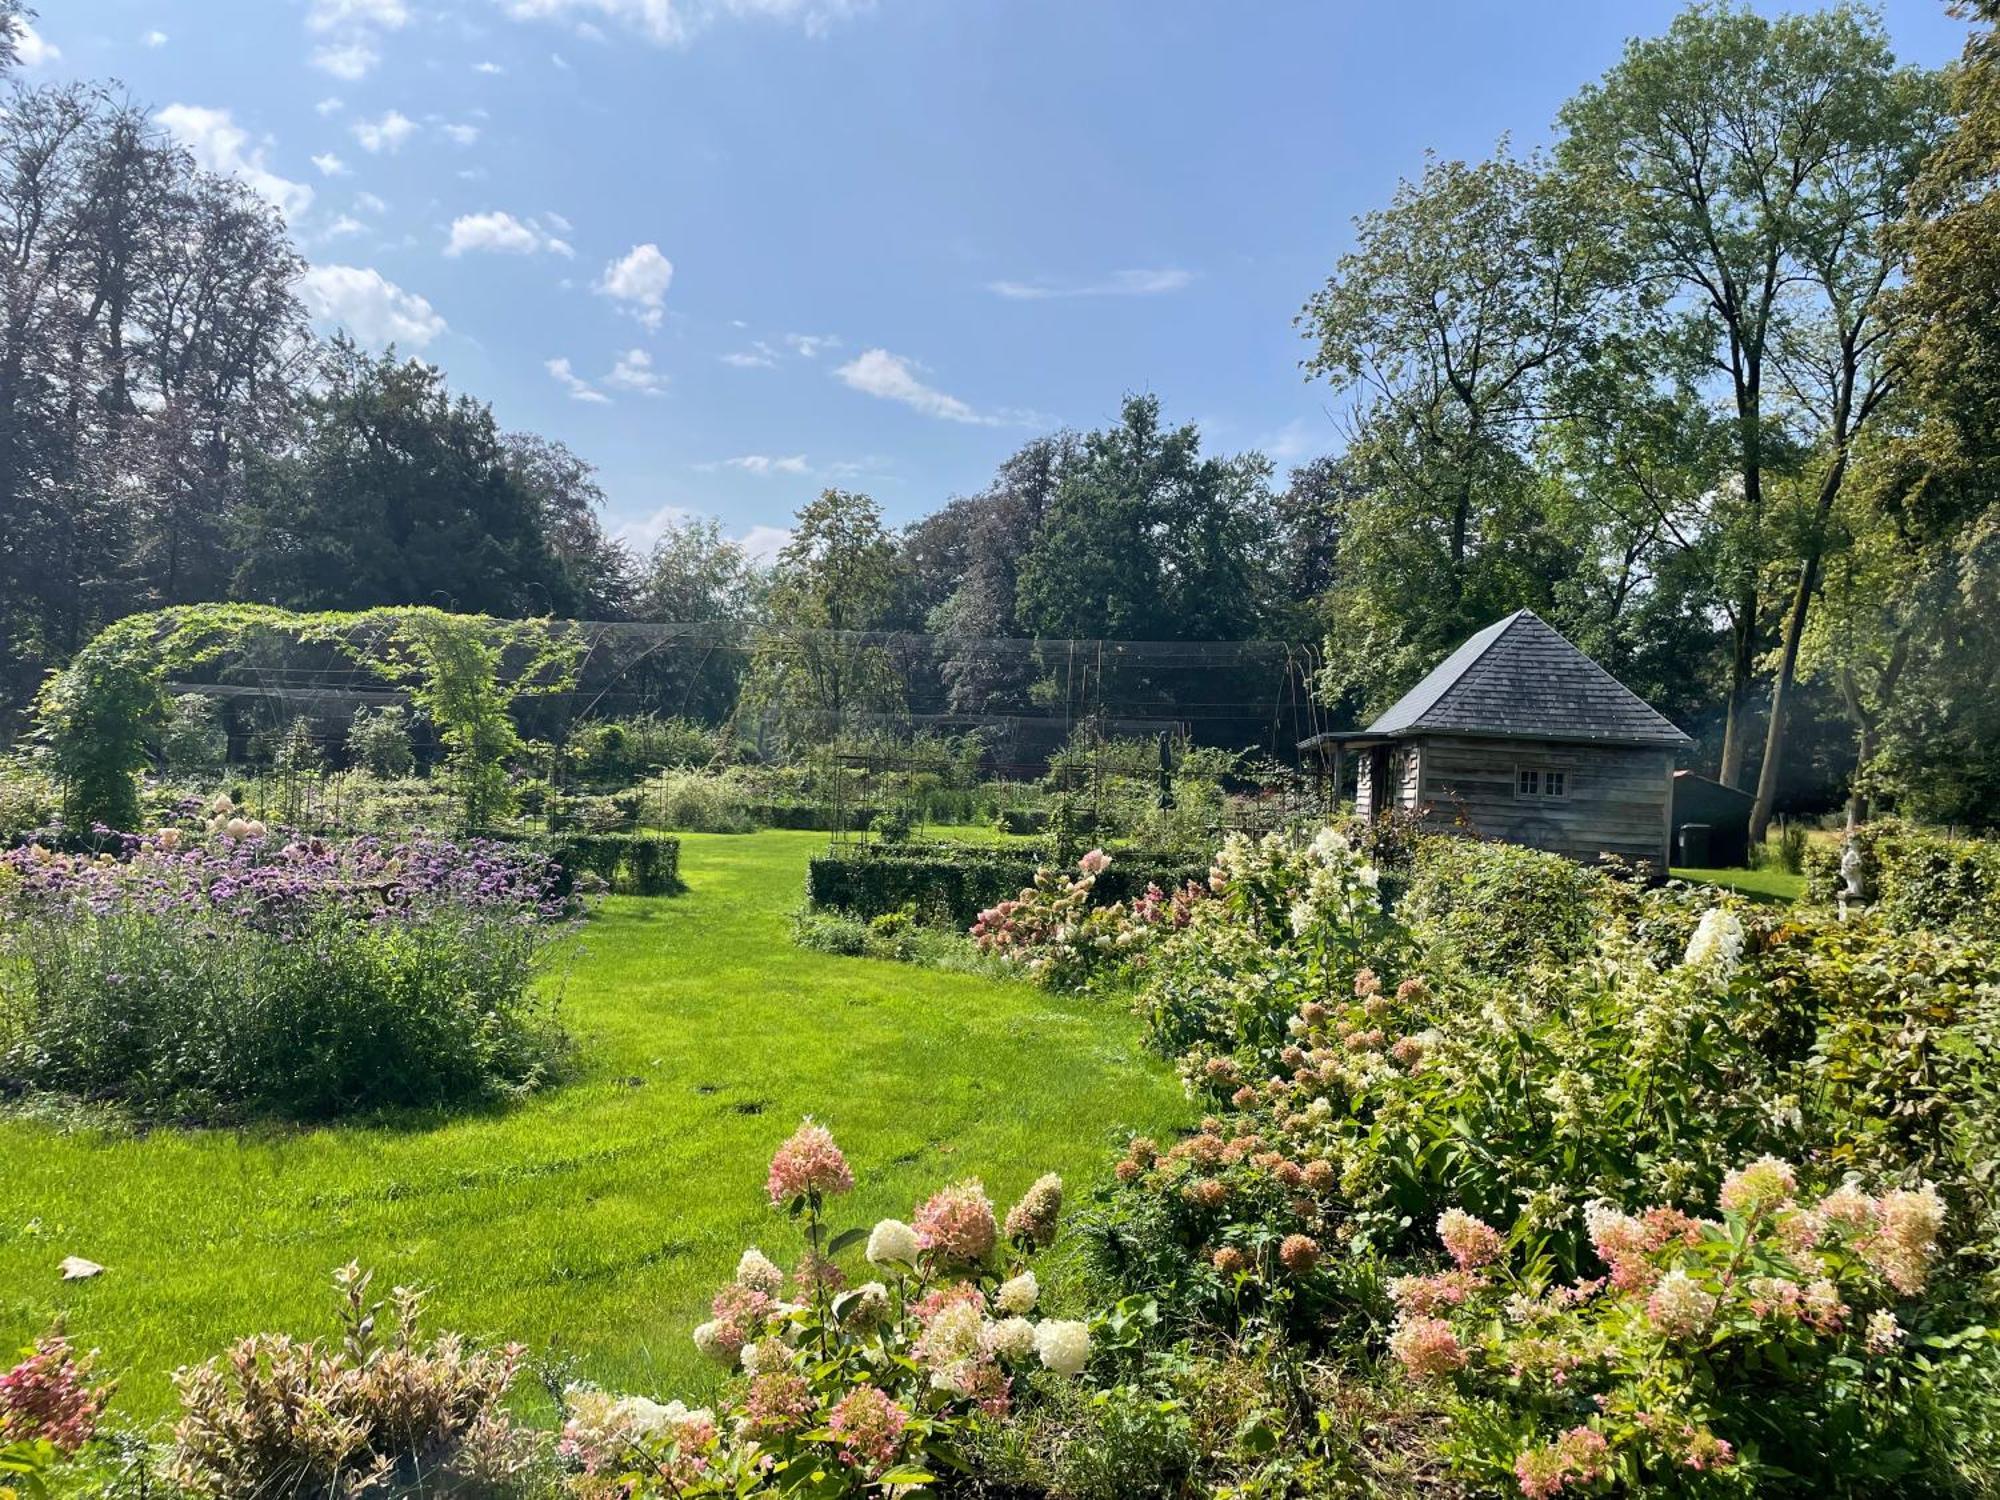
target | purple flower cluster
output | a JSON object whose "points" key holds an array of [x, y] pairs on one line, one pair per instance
{"points": [[275, 886]]}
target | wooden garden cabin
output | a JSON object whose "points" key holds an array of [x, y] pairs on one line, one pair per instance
{"points": [[1519, 736]]}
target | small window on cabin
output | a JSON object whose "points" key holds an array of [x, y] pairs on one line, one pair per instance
{"points": [[1540, 781]]}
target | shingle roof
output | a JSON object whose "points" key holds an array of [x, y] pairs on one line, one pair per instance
{"points": [[1518, 678]]}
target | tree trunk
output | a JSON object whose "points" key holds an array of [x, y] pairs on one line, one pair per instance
{"points": [[1742, 678], [1795, 629]]}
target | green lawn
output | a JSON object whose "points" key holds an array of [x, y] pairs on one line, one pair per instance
{"points": [[596, 1219], [1768, 884]]}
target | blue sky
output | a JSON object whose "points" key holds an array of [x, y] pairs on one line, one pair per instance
{"points": [[733, 251]]}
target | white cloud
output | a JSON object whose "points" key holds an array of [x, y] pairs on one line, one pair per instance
{"points": [[759, 356], [348, 61], [640, 279], [221, 145], [153, 39], [330, 165], [1298, 439], [1117, 284], [557, 59], [674, 23], [462, 135], [385, 134], [335, 15], [762, 544], [809, 345], [501, 234], [344, 225], [557, 222], [579, 389], [894, 378], [490, 69], [369, 306], [30, 46], [368, 203], [762, 464], [328, 106], [634, 372]]}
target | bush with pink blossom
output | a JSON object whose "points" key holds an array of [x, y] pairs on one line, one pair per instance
{"points": [[1060, 938], [1788, 1336], [849, 1389]]}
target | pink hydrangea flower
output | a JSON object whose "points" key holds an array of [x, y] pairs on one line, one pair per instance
{"points": [[808, 1163], [868, 1426], [1472, 1242], [779, 1402], [957, 1223], [1034, 1218], [1427, 1348], [1762, 1186], [1580, 1456]]}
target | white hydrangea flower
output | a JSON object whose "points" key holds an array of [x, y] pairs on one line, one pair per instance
{"points": [[708, 1339], [1884, 1332], [893, 1243], [1011, 1338], [760, 1355], [758, 1271], [1717, 942], [1018, 1294], [954, 1335], [1063, 1345]]}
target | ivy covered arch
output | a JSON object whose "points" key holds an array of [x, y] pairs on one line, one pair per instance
{"points": [[99, 714]]}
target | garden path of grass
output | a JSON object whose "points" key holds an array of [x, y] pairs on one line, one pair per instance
{"points": [[596, 1219]]}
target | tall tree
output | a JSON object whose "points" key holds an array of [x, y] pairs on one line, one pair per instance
{"points": [[569, 503], [397, 492], [1748, 166], [984, 604], [835, 582], [1448, 321]]}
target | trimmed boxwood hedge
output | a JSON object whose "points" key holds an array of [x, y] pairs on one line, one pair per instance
{"points": [[809, 817], [633, 864], [953, 888]]}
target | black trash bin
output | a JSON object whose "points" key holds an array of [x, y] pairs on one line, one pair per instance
{"points": [[1693, 845]]}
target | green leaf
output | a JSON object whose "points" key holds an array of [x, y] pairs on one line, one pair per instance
{"points": [[847, 1239]]}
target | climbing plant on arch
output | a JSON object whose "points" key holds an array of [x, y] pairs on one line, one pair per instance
{"points": [[99, 714]]}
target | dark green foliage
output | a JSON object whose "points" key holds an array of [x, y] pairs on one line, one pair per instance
{"points": [[952, 887], [1500, 908], [398, 491]]}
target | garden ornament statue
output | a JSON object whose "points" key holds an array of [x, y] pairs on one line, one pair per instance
{"points": [[1850, 875]]}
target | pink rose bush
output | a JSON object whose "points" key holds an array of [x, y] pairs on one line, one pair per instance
{"points": [[846, 1390], [1704, 1349]]}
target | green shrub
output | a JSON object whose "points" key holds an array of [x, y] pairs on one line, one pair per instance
{"points": [[1916, 879], [695, 802], [193, 738], [28, 799], [379, 742], [1498, 907]]}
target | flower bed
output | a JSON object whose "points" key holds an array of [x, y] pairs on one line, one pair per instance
{"points": [[240, 974]]}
